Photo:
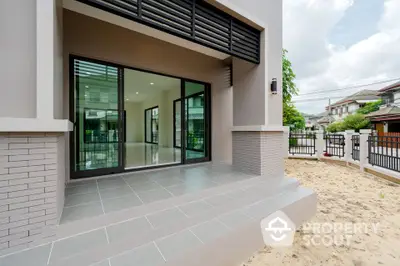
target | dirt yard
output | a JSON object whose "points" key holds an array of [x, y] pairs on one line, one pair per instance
{"points": [[344, 196]]}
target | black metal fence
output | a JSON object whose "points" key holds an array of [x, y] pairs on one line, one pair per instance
{"points": [[302, 143], [355, 147], [334, 145], [383, 151]]}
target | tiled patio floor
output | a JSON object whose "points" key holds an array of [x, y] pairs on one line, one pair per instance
{"points": [[89, 198], [161, 228]]}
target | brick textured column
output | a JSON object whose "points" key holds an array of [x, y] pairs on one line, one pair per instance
{"points": [[29, 187], [258, 152]]}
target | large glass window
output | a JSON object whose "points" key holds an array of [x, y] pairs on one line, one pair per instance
{"points": [[96, 116], [195, 121], [151, 120]]}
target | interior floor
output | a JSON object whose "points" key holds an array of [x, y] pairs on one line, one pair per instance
{"points": [[147, 154]]}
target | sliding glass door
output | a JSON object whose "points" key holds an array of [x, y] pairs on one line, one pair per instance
{"points": [[97, 139], [196, 110]]}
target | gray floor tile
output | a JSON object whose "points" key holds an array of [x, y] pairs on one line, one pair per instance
{"points": [[102, 263], [136, 178], [209, 231], [81, 212], [32, 257], [218, 200], [145, 186], [128, 229], [115, 192], [234, 219], [78, 244], [190, 187], [111, 183], [168, 181], [147, 255], [77, 199], [163, 218], [176, 244], [154, 195], [195, 208], [117, 204], [89, 181], [83, 189]]}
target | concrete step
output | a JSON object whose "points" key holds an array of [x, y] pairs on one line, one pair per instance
{"points": [[216, 226], [172, 239]]}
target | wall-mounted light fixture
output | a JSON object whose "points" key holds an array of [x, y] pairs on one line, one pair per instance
{"points": [[274, 86]]}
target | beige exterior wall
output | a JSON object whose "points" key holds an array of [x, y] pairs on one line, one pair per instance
{"points": [[92, 38], [18, 57], [256, 80]]}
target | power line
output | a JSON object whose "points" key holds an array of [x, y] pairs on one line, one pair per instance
{"points": [[317, 99], [349, 87]]}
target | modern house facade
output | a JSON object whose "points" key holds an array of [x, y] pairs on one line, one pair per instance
{"points": [[94, 88], [349, 105], [387, 118]]}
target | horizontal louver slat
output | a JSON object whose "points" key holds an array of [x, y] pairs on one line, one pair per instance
{"points": [[196, 21]]}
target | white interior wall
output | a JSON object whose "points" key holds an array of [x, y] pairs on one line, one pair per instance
{"points": [[135, 117]]}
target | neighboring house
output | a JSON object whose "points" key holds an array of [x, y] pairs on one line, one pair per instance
{"points": [[387, 118], [97, 88], [312, 121], [349, 105]]}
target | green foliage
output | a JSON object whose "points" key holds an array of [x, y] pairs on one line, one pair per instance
{"points": [[354, 121], [288, 86], [291, 116], [335, 127], [370, 107]]}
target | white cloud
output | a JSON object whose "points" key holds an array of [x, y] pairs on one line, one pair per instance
{"points": [[321, 65]]}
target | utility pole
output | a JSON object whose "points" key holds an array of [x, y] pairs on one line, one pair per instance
{"points": [[329, 110]]}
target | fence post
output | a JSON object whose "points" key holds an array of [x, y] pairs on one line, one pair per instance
{"points": [[364, 133], [286, 142], [319, 143], [348, 145]]}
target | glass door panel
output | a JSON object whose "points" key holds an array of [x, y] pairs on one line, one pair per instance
{"points": [[177, 123], [196, 122], [97, 134]]}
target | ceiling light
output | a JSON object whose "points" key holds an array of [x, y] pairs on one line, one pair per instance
{"points": [[88, 73], [86, 86], [137, 92], [127, 99], [85, 95], [151, 83]]}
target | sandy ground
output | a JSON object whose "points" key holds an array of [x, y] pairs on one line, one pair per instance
{"points": [[344, 195]]}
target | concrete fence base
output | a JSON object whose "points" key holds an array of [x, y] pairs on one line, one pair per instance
{"points": [[348, 160]]}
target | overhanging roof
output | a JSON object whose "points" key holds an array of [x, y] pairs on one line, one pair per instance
{"points": [[196, 21]]}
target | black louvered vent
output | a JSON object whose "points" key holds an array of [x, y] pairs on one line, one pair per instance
{"points": [[190, 19]]}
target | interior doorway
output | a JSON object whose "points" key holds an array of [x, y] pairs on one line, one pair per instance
{"points": [[127, 119]]}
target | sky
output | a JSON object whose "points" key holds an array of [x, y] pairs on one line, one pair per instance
{"points": [[334, 44]]}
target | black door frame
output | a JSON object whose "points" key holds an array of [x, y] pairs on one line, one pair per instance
{"points": [[105, 171], [207, 122], [75, 173]]}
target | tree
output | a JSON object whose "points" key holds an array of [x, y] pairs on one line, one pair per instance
{"points": [[291, 116], [370, 107], [354, 122]]}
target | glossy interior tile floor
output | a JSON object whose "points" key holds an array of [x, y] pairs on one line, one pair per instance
{"points": [[94, 197], [146, 154]]}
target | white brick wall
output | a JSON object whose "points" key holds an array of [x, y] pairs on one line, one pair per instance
{"points": [[28, 187], [259, 153]]}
